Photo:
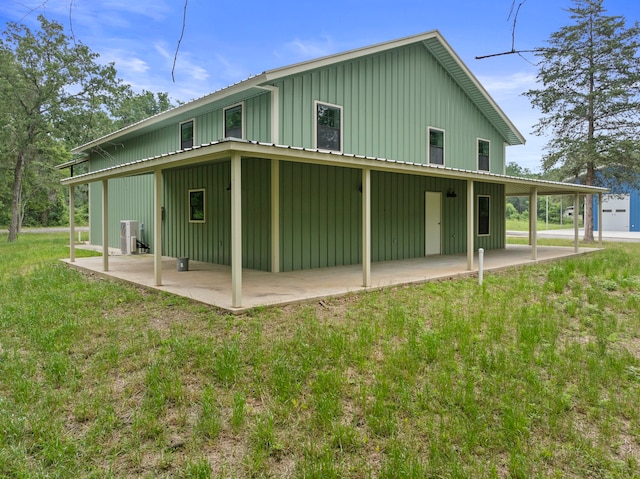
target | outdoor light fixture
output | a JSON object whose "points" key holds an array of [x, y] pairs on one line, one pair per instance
{"points": [[451, 193]]}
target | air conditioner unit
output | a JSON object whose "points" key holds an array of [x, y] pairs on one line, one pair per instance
{"points": [[128, 236]]}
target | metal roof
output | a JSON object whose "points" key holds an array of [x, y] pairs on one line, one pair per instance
{"points": [[433, 42], [223, 149], [472, 87]]}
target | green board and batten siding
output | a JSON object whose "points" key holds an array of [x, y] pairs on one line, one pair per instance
{"points": [[211, 241], [125, 193], [129, 199], [320, 216], [497, 221], [389, 100]]}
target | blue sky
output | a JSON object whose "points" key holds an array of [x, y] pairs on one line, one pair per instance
{"points": [[226, 42]]}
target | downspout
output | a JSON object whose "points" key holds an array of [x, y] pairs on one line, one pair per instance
{"points": [[275, 112]]}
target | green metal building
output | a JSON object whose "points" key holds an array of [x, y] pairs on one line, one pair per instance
{"points": [[388, 152]]}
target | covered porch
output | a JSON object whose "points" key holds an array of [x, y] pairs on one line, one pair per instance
{"points": [[237, 288], [211, 284]]}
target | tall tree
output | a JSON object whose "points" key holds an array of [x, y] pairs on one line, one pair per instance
{"points": [[590, 96], [132, 107], [51, 90]]}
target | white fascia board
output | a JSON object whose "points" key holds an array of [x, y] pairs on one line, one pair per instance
{"points": [[275, 74], [174, 112], [224, 149], [477, 84], [305, 66]]}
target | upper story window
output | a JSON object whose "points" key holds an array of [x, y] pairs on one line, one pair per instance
{"points": [[233, 127], [186, 134], [483, 155], [328, 126], [436, 146]]}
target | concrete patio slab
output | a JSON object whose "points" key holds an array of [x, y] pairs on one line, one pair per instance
{"points": [[211, 283]]}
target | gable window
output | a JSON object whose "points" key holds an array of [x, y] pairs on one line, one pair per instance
{"points": [[196, 206], [483, 215], [436, 146], [328, 127], [186, 134], [483, 155], [233, 122]]}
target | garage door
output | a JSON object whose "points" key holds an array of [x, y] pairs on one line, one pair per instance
{"points": [[615, 212]]}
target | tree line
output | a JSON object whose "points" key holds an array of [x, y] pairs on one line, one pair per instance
{"points": [[54, 95]]}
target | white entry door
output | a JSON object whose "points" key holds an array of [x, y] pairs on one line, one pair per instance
{"points": [[433, 218]]}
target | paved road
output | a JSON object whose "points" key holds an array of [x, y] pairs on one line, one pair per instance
{"points": [[563, 233], [59, 229], [615, 236]]}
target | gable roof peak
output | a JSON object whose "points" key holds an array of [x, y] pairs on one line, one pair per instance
{"points": [[350, 54], [433, 41]]}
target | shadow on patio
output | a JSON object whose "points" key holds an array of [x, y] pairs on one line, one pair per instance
{"points": [[211, 283]]}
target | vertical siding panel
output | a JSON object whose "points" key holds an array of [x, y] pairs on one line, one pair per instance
{"points": [[356, 215], [285, 213], [347, 231], [316, 201], [333, 206], [256, 213], [408, 188], [297, 218], [323, 229], [398, 203], [389, 99], [304, 219], [339, 217]]}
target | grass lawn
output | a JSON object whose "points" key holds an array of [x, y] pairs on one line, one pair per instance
{"points": [[519, 225], [534, 374]]}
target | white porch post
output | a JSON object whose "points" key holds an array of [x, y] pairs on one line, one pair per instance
{"points": [[533, 217], [470, 227], [599, 219], [105, 225], [236, 230], [72, 224], [157, 227], [366, 227], [275, 216], [576, 221]]}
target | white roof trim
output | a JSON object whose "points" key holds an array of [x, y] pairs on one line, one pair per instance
{"points": [[249, 148], [174, 112], [277, 73]]}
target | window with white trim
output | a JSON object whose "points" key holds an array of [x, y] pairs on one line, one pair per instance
{"points": [[196, 206], [436, 146], [484, 208], [233, 125], [187, 134], [483, 155], [328, 121]]}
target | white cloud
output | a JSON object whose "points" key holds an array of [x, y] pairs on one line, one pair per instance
{"points": [[184, 65], [154, 9], [508, 85], [231, 72], [124, 61], [305, 49]]}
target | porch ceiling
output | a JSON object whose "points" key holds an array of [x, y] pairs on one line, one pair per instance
{"points": [[222, 149]]}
